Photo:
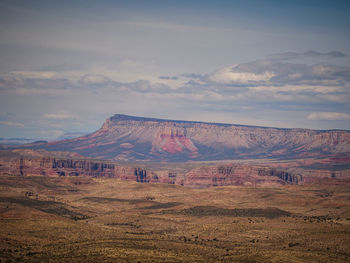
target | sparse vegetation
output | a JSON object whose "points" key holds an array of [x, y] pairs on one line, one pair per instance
{"points": [[107, 220], [243, 212], [162, 205]]}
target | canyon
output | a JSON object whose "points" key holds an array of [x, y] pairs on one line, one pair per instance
{"points": [[193, 154], [149, 190], [195, 174]]}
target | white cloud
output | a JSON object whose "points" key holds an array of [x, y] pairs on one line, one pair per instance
{"points": [[35, 74], [294, 76], [300, 88], [331, 116], [10, 123], [58, 116], [230, 90], [321, 70], [41, 91], [228, 76], [91, 79]]}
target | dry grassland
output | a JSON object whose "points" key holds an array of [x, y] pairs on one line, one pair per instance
{"points": [[108, 220]]}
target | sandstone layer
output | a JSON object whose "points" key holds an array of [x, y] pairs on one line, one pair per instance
{"points": [[239, 174], [127, 138]]}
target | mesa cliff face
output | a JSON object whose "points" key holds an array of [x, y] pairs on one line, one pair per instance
{"points": [[127, 138], [238, 174], [231, 174]]}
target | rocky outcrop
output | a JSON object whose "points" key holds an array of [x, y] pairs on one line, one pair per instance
{"points": [[173, 140], [37, 165], [238, 174], [47, 166], [127, 138], [141, 175]]}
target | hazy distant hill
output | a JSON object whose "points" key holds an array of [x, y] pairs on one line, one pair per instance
{"points": [[130, 138], [70, 135], [15, 141]]}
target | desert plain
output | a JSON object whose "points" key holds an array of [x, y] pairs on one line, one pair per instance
{"points": [[84, 219]]}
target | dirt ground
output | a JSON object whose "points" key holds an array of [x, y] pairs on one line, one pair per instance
{"points": [[108, 220]]}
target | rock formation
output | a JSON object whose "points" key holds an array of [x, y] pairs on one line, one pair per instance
{"points": [[127, 138], [309, 156], [239, 174]]}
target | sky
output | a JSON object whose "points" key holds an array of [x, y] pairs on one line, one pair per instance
{"points": [[66, 66]]}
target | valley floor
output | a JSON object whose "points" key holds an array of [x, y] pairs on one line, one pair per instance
{"points": [[83, 219]]}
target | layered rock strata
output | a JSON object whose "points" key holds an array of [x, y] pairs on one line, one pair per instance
{"points": [[203, 176], [127, 138]]}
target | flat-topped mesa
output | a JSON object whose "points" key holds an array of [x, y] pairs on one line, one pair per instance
{"points": [[122, 117], [151, 139]]}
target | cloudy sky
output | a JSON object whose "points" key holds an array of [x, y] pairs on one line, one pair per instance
{"points": [[66, 66]]}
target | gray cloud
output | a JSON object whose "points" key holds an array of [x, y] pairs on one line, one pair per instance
{"points": [[58, 116], [271, 72], [169, 77], [331, 116], [258, 81], [310, 54], [334, 54], [95, 79], [10, 123], [192, 75], [318, 92], [63, 67]]}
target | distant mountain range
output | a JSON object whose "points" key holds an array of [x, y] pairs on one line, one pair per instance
{"points": [[20, 141], [15, 141], [129, 138], [70, 135]]}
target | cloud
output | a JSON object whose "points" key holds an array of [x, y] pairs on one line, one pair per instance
{"points": [[308, 54], [329, 116], [335, 54], [326, 71], [316, 89], [193, 76], [323, 70], [35, 83], [58, 116], [229, 75], [35, 74], [94, 79], [261, 85], [52, 92], [253, 82], [9, 123], [169, 77], [277, 73], [63, 68], [259, 80]]}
